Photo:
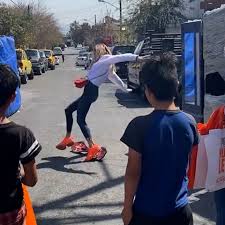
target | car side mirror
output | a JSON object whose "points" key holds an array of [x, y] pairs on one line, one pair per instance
{"points": [[29, 58]]}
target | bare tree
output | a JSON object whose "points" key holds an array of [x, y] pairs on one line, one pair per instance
{"points": [[31, 25], [155, 14]]}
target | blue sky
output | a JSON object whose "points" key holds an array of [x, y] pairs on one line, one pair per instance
{"points": [[66, 11]]}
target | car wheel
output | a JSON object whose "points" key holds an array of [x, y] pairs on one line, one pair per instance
{"points": [[53, 67], [129, 86], [39, 71], [23, 79], [128, 83], [31, 75]]}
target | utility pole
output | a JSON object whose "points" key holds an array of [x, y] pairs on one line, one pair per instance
{"points": [[121, 20], [95, 29]]}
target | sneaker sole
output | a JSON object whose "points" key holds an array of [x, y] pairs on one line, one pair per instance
{"points": [[103, 156], [61, 148], [64, 147]]}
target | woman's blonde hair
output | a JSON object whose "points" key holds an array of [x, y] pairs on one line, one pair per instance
{"points": [[100, 50]]}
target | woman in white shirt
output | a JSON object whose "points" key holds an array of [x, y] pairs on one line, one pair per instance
{"points": [[100, 71]]}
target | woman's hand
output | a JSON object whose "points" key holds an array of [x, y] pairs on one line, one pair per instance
{"points": [[143, 58], [127, 215]]}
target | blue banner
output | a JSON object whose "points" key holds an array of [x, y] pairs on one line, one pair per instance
{"points": [[189, 62], [8, 56]]}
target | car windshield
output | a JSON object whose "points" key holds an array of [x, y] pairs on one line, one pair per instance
{"points": [[84, 55], [18, 55], [42, 54], [32, 53], [123, 50], [48, 54], [57, 51], [82, 52]]}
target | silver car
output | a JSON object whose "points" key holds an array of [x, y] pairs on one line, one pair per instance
{"points": [[83, 59]]}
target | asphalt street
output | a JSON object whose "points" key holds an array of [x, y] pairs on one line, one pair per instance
{"points": [[69, 191]]}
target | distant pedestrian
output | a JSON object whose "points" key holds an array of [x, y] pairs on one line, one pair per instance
{"points": [[100, 71], [18, 151], [159, 147]]}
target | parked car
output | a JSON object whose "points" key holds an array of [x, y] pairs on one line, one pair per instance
{"points": [[88, 61], [51, 58], [83, 58], [57, 60], [25, 66], [44, 59], [37, 63], [134, 70], [57, 51], [122, 68], [23, 77], [153, 45], [82, 51]]}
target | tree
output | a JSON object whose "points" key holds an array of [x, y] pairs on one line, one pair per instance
{"points": [[31, 25], [81, 33], [155, 15]]}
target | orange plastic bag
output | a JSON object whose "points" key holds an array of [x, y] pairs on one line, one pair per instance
{"points": [[216, 121], [30, 218]]}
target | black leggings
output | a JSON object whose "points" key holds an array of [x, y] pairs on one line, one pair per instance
{"points": [[82, 105], [183, 216]]}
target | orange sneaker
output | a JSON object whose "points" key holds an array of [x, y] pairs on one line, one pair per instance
{"points": [[92, 153], [101, 154], [66, 142]]}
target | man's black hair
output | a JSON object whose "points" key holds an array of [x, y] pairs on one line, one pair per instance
{"points": [[8, 83], [159, 74]]}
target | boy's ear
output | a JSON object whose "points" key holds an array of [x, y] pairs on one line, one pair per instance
{"points": [[11, 98]]}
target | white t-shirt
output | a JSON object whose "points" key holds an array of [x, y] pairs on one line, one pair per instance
{"points": [[101, 70]]}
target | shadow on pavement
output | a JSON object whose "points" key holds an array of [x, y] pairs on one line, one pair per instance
{"points": [[78, 218], [130, 100], [58, 163], [203, 205]]}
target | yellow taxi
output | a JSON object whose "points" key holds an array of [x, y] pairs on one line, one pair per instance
{"points": [[25, 65], [51, 58]]}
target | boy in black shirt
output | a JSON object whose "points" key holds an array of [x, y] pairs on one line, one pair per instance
{"points": [[18, 151]]}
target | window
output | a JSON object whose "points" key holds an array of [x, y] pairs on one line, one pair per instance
{"points": [[138, 48]]}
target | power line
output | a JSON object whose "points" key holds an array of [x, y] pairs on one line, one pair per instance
{"points": [[14, 3]]}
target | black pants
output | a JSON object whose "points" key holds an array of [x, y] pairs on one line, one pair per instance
{"points": [[82, 106], [183, 216]]}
